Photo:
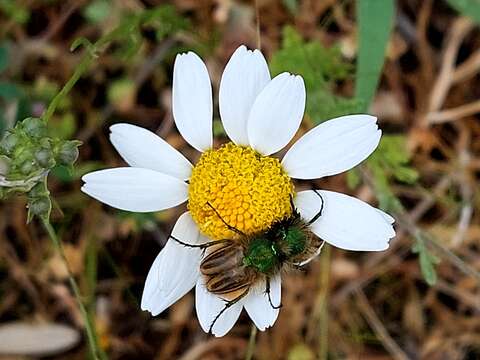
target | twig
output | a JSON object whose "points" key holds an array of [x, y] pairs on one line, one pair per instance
{"points": [[468, 68], [378, 327], [459, 112], [89, 328], [65, 14], [466, 213], [251, 343], [459, 30]]}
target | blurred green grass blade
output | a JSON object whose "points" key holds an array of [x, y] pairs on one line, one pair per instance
{"points": [[470, 8], [375, 22], [3, 57]]}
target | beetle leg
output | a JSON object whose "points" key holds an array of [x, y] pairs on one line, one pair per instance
{"points": [[228, 304], [230, 227], [267, 291], [317, 215]]}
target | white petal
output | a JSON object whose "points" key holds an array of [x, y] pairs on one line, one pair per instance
{"points": [[208, 306], [175, 270], [192, 101], [135, 189], [390, 219], [258, 307], [276, 113], [332, 147], [142, 148], [245, 75], [346, 222]]}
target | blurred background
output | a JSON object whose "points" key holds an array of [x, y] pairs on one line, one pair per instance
{"points": [[418, 300]]}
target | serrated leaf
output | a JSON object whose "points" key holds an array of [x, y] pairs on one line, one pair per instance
{"points": [[375, 22], [470, 8], [391, 160]]}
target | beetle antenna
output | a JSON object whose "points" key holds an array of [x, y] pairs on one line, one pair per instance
{"points": [[230, 227], [267, 291], [317, 215]]}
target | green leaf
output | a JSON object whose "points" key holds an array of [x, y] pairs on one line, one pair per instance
{"points": [[320, 68], [392, 158], [68, 173], [427, 261], [375, 22], [81, 41], [391, 162], [470, 8]]}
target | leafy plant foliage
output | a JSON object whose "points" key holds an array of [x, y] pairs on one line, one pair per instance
{"points": [[321, 69]]}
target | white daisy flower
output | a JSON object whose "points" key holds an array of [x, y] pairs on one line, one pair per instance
{"points": [[240, 183]]}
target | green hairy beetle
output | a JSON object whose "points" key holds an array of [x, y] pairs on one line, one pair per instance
{"points": [[231, 267]]}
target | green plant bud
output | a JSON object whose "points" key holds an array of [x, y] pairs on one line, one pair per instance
{"points": [[39, 190], [27, 167], [45, 158], [4, 165], [34, 127], [68, 152], [40, 206], [9, 143]]}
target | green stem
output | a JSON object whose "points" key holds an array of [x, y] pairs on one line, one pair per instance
{"points": [[80, 69], [91, 335], [251, 342]]}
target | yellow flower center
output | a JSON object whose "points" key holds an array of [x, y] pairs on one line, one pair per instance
{"points": [[249, 191]]}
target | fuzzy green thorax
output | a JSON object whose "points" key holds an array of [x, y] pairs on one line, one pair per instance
{"points": [[293, 241], [262, 254]]}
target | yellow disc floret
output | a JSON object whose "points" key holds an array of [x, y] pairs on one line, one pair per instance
{"points": [[249, 191]]}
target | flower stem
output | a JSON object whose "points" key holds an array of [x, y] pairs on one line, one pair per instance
{"points": [[96, 353], [251, 342], [79, 70]]}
